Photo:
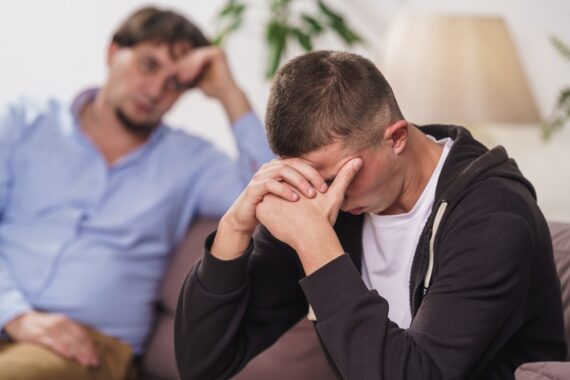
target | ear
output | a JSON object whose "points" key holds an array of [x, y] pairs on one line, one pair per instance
{"points": [[396, 135], [112, 51]]}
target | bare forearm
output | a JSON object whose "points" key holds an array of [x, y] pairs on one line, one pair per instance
{"points": [[229, 243], [235, 103], [318, 247]]}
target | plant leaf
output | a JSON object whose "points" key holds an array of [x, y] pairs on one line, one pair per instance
{"points": [[238, 10], [276, 40], [278, 6], [336, 22], [303, 38], [345, 33], [549, 127], [232, 8], [559, 117], [563, 98], [232, 16], [561, 47], [312, 24], [220, 38], [328, 12], [561, 113], [227, 8]]}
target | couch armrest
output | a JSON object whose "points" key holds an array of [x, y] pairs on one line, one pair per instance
{"points": [[561, 246], [543, 371]]}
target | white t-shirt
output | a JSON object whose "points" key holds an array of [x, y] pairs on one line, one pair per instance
{"points": [[389, 243]]}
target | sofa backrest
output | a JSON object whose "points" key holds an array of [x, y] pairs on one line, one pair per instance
{"points": [[561, 244], [159, 360]]}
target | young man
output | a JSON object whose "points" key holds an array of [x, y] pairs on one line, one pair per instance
{"points": [[438, 267], [95, 194]]}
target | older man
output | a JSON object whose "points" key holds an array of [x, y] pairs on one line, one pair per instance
{"points": [[94, 194]]}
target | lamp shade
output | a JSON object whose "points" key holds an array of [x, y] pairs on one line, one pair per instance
{"points": [[453, 68]]}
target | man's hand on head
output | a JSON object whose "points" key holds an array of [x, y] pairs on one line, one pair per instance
{"points": [[285, 179], [207, 68], [56, 332], [306, 225]]}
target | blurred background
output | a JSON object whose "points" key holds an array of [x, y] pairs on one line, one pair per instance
{"points": [[489, 65]]}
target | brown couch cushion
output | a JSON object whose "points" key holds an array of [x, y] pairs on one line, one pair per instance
{"points": [[184, 258], [296, 355], [159, 361], [561, 244], [555, 370]]}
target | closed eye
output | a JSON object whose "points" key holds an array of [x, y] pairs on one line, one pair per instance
{"points": [[149, 65]]}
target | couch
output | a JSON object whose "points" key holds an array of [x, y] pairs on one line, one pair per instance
{"points": [[555, 370], [298, 355]]}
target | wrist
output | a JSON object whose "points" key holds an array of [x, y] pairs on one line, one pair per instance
{"points": [[235, 102], [12, 327], [317, 247], [230, 224], [230, 242]]}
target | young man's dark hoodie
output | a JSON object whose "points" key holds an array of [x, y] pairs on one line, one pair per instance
{"points": [[484, 294]]}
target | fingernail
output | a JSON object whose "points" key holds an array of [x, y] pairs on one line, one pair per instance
{"points": [[311, 192], [324, 187], [357, 164], [294, 196]]}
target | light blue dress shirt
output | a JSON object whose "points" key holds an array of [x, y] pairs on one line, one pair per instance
{"points": [[90, 241]]}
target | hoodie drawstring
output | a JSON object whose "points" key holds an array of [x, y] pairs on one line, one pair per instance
{"points": [[436, 222]]}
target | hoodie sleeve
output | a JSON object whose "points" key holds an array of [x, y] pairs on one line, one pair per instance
{"points": [[229, 311]]}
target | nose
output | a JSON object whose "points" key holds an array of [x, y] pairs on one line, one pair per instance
{"points": [[155, 87]]}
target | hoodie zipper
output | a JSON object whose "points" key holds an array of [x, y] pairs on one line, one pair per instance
{"points": [[426, 269]]}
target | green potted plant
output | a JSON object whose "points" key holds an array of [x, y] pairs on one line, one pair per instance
{"points": [[285, 26]]}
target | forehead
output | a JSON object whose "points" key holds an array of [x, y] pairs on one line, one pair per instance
{"points": [[329, 159], [163, 50]]}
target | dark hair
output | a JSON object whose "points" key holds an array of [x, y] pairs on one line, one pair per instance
{"points": [[322, 96], [151, 24]]}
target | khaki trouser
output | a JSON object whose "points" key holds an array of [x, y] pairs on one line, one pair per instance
{"points": [[25, 361]]}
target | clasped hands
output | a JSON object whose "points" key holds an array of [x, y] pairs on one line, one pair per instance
{"points": [[292, 200]]}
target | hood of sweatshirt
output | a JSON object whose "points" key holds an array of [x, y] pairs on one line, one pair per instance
{"points": [[469, 162]]}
